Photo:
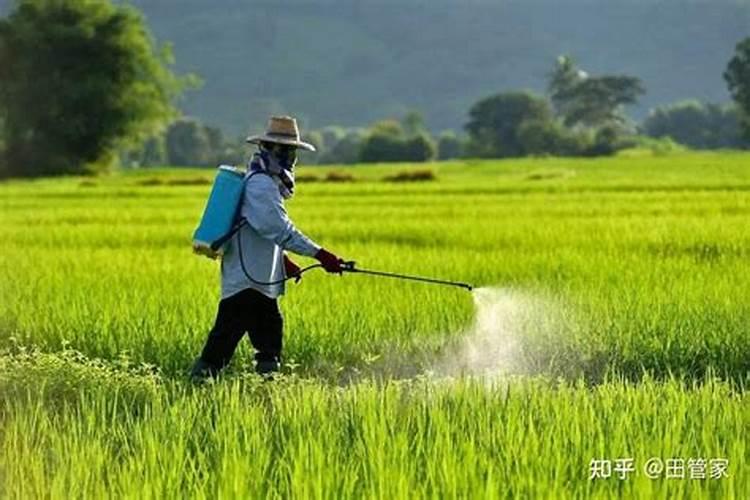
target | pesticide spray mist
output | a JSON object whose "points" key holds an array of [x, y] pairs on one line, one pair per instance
{"points": [[498, 343]]}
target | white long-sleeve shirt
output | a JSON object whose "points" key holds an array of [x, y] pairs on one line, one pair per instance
{"points": [[267, 234]]}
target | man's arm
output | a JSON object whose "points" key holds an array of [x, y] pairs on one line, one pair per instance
{"points": [[263, 208]]}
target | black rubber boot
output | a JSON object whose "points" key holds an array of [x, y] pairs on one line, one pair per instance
{"points": [[201, 371], [267, 367]]}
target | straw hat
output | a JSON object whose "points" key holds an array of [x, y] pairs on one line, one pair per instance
{"points": [[282, 130]]}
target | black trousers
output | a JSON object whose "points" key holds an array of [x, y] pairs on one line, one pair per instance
{"points": [[246, 311]]}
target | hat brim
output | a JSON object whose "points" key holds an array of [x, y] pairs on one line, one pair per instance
{"points": [[255, 139]]}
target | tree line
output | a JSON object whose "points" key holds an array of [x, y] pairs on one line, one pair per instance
{"points": [[581, 115], [83, 86]]}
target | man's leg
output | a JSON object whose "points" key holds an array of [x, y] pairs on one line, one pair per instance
{"points": [[228, 329], [266, 332]]}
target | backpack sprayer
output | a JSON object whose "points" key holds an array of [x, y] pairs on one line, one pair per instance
{"points": [[219, 223]]}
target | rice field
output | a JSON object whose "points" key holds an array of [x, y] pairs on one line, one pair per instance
{"points": [[610, 322]]}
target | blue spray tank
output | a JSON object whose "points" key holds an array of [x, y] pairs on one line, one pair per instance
{"points": [[218, 222]]}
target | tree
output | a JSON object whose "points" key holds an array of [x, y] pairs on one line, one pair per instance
{"points": [[314, 137], [189, 144], [494, 122], [737, 77], [599, 101], [388, 128], [696, 124], [581, 99], [151, 152], [78, 80], [346, 150], [420, 147], [562, 83], [215, 140], [332, 135], [379, 147], [538, 138], [550, 137], [413, 123], [606, 140], [2, 145], [449, 145], [154, 152], [390, 141]]}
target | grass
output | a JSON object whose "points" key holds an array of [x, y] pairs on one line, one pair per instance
{"points": [[639, 347]]}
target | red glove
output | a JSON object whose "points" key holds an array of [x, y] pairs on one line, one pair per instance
{"points": [[330, 262], [292, 269]]}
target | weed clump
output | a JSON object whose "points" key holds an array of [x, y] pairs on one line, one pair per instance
{"points": [[421, 175], [543, 175], [150, 181], [306, 178], [63, 379], [339, 177]]}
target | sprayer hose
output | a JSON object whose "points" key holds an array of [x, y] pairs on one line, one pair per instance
{"points": [[348, 267], [267, 283]]}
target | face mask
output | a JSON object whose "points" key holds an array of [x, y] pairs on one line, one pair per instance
{"points": [[280, 162], [286, 156]]}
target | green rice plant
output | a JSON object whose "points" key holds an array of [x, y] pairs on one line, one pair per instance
{"points": [[645, 258], [610, 322], [421, 437]]}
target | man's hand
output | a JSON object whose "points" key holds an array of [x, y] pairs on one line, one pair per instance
{"points": [[331, 263], [292, 269]]}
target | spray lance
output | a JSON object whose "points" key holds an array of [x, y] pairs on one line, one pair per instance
{"points": [[351, 267]]}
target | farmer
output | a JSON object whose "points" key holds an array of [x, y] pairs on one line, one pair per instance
{"points": [[248, 302]]}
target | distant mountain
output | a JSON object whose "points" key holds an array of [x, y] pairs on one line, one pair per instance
{"points": [[349, 62]]}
